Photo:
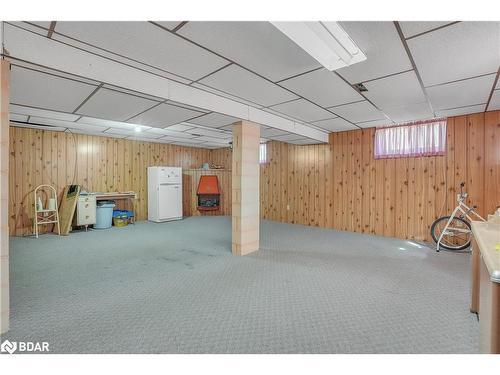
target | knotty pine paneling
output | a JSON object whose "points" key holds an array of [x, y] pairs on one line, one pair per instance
{"points": [[340, 185], [97, 163]]}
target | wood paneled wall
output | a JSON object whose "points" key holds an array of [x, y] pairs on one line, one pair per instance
{"points": [[338, 185], [97, 163], [341, 185]]}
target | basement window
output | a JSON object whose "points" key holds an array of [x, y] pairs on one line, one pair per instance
{"points": [[263, 153], [423, 138]]}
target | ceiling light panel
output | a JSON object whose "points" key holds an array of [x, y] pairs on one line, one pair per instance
{"points": [[42, 113], [244, 84], [259, 46], [385, 53], [359, 112], [335, 125], [327, 42], [323, 87], [32, 88], [411, 28], [459, 51], [461, 111], [409, 112], [113, 105], [495, 101], [400, 89], [147, 43], [214, 120], [303, 110], [462, 93], [164, 115]]}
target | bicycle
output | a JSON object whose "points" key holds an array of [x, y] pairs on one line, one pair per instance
{"points": [[456, 233]]}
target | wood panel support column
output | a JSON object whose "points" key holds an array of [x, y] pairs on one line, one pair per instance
{"points": [[4, 195], [245, 188]]}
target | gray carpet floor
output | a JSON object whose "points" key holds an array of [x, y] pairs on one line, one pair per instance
{"points": [[176, 288]]}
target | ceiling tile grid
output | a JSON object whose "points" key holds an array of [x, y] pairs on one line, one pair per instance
{"points": [[303, 110], [47, 91], [495, 101], [412, 28], [214, 120], [323, 87], [459, 51], [114, 105], [359, 112], [145, 42], [460, 111], [246, 85], [258, 46], [461, 93], [164, 115], [380, 42], [335, 125]]}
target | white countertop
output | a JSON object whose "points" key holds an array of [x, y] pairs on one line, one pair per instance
{"points": [[487, 236]]}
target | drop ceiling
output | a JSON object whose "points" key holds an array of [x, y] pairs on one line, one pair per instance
{"points": [[413, 71]]}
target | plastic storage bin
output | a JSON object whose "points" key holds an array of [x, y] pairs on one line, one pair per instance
{"points": [[104, 214], [120, 218]]}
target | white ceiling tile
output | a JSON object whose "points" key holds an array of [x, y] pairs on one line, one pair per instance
{"points": [[304, 141], [132, 133], [135, 93], [358, 112], [42, 113], [498, 85], [110, 124], [164, 132], [410, 112], [380, 42], [303, 110], [271, 132], [224, 94], [371, 124], [258, 46], [180, 127], [39, 127], [287, 137], [400, 89], [197, 145], [169, 24], [44, 24], [240, 82], [187, 106], [214, 120], [495, 101], [323, 87], [66, 124], [210, 133], [113, 105], [411, 28], [32, 88], [17, 117], [215, 141], [147, 43], [459, 51], [186, 140], [164, 115], [460, 111], [335, 125], [462, 93]]}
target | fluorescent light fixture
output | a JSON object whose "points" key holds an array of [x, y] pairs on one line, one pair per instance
{"points": [[327, 42]]}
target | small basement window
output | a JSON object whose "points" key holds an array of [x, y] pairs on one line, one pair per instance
{"points": [[263, 153], [423, 138]]}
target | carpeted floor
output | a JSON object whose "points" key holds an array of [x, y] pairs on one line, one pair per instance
{"points": [[176, 288]]}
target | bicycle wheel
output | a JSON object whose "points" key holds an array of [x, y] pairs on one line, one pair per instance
{"points": [[457, 235]]}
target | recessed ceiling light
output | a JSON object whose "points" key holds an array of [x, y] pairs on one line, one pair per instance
{"points": [[327, 42]]}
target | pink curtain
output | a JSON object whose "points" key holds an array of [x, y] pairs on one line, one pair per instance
{"points": [[425, 138]]}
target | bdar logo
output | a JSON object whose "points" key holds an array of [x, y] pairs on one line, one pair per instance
{"points": [[9, 347]]}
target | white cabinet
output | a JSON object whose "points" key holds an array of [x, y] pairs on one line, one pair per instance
{"points": [[85, 210], [164, 193]]}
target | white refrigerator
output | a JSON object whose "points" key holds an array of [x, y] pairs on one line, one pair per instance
{"points": [[164, 193]]}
